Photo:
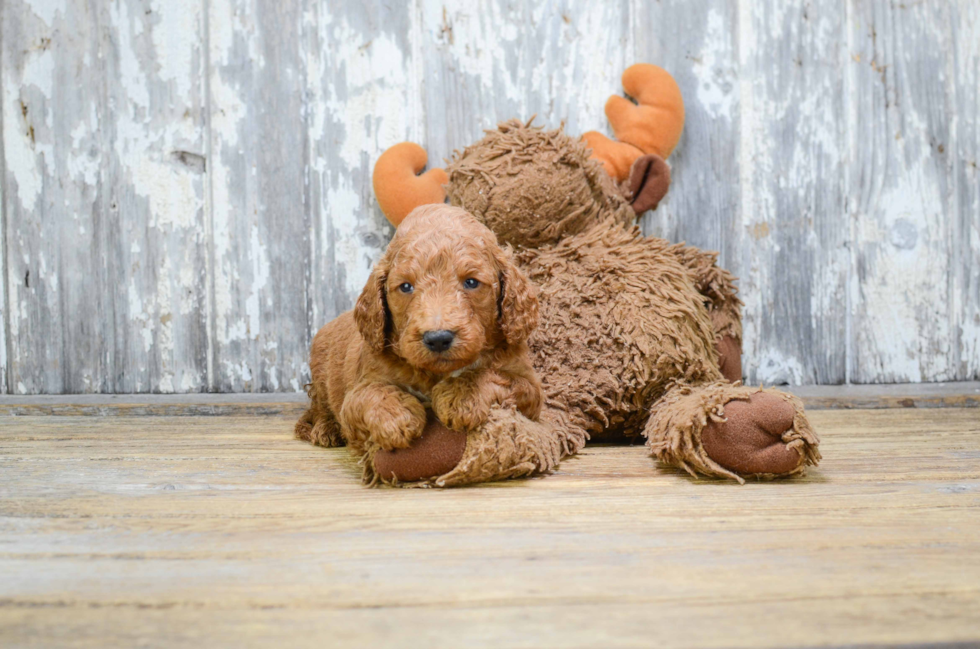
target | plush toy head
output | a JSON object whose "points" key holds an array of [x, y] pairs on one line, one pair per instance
{"points": [[533, 187]]}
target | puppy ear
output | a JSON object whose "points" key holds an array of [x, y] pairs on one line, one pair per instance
{"points": [[371, 311], [517, 305]]}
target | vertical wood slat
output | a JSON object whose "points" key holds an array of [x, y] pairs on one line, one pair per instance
{"points": [[900, 194], [794, 257], [260, 223], [965, 232], [304, 99], [155, 184], [701, 52], [104, 195], [4, 339], [4, 311], [50, 263], [363, 94]]}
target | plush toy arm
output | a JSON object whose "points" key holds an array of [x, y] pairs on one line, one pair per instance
{"points": [[397, 185], [717, 285]]}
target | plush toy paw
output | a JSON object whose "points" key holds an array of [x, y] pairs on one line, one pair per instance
{"points": [[729, 358], [436, 452], [750, 441]]}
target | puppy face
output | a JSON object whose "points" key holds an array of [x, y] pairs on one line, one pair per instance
{"points": [[444, 292]]}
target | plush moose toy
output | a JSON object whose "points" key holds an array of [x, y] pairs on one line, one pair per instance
{"points": [[637, 336]]}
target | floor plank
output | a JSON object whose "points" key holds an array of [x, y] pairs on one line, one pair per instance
{"points": [[955, 394], [155, 531]]}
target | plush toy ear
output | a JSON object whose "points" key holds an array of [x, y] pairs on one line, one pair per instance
{"points": [[397, 185], [517, 305], [371, 311], [649, 182]]}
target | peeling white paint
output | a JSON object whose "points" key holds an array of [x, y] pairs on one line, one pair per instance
{"points": [[23, 154], [4, 388], [47, 10], [715, 69], [461, 67]]}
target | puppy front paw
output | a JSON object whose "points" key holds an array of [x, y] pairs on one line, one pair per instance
{"points": [[458, 409], [397, 428]]}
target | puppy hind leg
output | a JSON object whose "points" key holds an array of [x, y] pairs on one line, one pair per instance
{"points": [[320, 428]]}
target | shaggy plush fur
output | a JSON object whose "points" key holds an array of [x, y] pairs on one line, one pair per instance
{"points": [[628, 322], [374, 375]]}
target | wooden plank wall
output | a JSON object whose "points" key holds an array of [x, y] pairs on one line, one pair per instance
{"points": [[186, 186]]}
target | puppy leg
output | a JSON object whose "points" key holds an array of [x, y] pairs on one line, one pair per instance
{"points": [[463, 402], [319, 427], [381, 414]]}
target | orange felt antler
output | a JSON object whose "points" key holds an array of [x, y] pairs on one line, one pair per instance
{"points": [[652, 127], [397, 185]]}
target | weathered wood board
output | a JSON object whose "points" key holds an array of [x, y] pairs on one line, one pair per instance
{"points": [[156, 531], [104, 196], [186, 192]]}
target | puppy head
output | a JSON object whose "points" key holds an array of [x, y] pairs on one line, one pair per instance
{"points": [[444, 292]]}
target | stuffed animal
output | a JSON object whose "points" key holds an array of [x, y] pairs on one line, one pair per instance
{"points": [[637, 336]]}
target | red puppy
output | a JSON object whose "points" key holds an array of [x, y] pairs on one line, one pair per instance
{"points": [[443, 322]]}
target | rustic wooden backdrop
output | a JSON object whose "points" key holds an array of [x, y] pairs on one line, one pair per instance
{"points": [[186, 183]]}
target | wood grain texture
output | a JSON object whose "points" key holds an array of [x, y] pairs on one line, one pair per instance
{"points": [[53, 253], [965, 232], [900, 192], [489, 61], [186, 196], [363, 95], [260, 217], [795, 261], [4, 312], [225, 532], [701, 51], [104, 196]]}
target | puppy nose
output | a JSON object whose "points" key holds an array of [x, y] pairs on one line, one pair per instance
{"points": [[438, 341]]}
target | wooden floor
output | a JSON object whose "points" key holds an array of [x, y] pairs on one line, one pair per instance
{"points": [[223, 531]]}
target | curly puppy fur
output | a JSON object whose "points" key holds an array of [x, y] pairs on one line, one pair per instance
{"points": [[373, 374]]}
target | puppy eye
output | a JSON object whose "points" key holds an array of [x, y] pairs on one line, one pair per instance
{"points": [[471, 283], [406, 288]]}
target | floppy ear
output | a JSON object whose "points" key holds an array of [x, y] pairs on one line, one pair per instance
{"points": [[371, 311], [517, 307]]}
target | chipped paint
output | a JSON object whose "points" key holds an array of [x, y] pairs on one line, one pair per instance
{"points": [[715, 69], [828, 155]]}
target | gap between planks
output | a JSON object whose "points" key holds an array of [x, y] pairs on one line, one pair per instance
{"points": [[816, 397]]}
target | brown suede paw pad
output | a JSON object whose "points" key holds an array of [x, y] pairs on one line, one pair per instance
{"points": [[751, 440], [436, 452]]}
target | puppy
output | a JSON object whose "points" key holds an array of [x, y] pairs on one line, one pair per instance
{"points": [[442, 322]]}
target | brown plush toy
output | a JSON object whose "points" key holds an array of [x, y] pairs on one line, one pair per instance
{"points": [[637, 336]]}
